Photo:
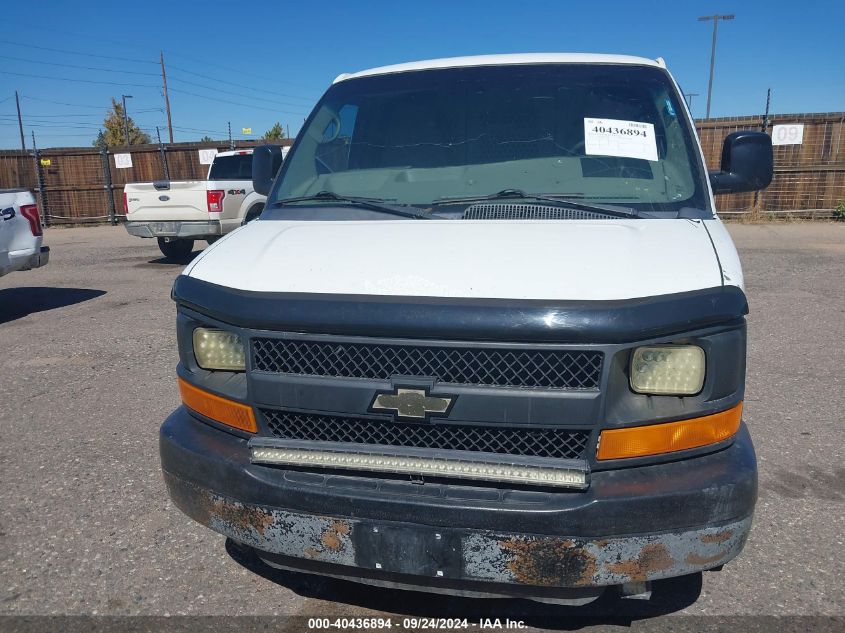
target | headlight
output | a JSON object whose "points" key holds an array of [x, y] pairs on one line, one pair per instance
{"points": [[217, 349], [673, 370]]}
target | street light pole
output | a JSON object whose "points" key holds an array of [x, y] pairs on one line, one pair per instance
{"points": [[715, 18], [688, 96], [126, 119]]}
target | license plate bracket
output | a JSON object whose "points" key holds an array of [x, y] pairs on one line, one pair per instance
{"points": [[408, 550]]}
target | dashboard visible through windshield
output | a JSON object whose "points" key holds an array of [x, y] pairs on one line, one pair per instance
{"points": [[600, 133]]}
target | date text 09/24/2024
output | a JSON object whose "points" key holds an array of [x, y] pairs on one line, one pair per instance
{"points": [[415, 623]]}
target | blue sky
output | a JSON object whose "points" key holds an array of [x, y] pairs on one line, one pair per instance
{"points": [[254, 63]]}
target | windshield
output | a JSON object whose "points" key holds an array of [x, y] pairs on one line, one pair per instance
{"points": [[601, 133]]}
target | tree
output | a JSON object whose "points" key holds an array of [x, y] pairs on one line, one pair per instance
{"points": [[275, 133], [206, 139], [114, 133]]}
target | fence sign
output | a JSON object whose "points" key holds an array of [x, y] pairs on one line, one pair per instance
{"points": [[46, 162], [207, 156], [123, 161], [792, 134]]}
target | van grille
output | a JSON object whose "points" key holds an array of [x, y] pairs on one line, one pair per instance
{"points": [[510, 440], [499, 367]]}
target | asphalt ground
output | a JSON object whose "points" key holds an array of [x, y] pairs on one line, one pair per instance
{"points": [[87, 365]]}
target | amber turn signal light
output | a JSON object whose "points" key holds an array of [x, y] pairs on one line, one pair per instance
{"points": [[654, 439], [228, 412]]}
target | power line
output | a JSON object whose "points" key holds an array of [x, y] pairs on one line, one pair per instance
{"points": [[55, 116], [60, 50], [106, 70], [237, 94], [237, 85], [196, 129], [70, 105], [84, 81], [245, 105], [145, 61], [240, 71]]}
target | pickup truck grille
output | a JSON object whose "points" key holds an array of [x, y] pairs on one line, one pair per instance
{"points": [[526, 441], [499, 367]]}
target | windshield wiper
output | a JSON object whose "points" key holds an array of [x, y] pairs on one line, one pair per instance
{"points": [[560, 201], [374, 204]]}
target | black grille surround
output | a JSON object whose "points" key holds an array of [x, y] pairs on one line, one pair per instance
{"points": [[525, 441], [495, 367]]}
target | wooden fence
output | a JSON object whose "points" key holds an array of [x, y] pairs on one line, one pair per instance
{"points": [[83, 184], [809, 176]]}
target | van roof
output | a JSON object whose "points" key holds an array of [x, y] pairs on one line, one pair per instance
{"points": [[499, 60]]}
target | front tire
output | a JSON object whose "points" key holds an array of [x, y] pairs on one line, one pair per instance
{"points": [[175, 249]]}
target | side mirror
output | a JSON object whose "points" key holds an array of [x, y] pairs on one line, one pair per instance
{"points": [[747, 163], [266, 160]]}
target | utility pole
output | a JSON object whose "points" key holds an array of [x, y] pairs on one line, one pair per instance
{"points": [[231, 142], [716, 17], [166, 98], [688, 96], [164, 166], [20, 122], [126, 119]]}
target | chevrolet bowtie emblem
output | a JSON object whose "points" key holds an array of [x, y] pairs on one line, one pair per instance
{"points": [[411, 403]]}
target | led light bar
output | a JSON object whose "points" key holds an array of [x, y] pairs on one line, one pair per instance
{"points": [[432, 466]]}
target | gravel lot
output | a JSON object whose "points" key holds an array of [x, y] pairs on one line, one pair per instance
{"points": [[88, 358]]}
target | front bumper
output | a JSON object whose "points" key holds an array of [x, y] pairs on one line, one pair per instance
{"points": [[632, 525], [174, 229]]}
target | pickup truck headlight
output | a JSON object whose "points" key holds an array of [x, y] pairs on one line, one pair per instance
{"points": [[218, 349], [673, 370]]}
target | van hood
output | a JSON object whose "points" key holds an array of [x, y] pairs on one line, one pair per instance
{"points": [[552, 260]]}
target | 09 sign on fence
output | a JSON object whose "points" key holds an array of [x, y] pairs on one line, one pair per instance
{"points": [[791, 134], [207, 156], [123, 161]]}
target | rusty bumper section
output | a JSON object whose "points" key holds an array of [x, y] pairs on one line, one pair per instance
{"points": [[461, 555]]}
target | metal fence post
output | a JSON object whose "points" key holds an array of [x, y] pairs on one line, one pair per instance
{"points": [[757, 207], [104, 158], [39, 176]]}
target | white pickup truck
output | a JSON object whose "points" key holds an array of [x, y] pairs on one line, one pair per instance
{"points": [[179, 212], [21, 234]]}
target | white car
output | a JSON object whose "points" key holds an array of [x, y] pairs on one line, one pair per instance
{"points": [[179, 212], [21, 235], [488, 336]]}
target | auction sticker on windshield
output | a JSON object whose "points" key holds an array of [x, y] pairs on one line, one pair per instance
{"points": [[626, 139]]}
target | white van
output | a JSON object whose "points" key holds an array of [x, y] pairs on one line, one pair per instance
{"points": [[487, 337]]}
